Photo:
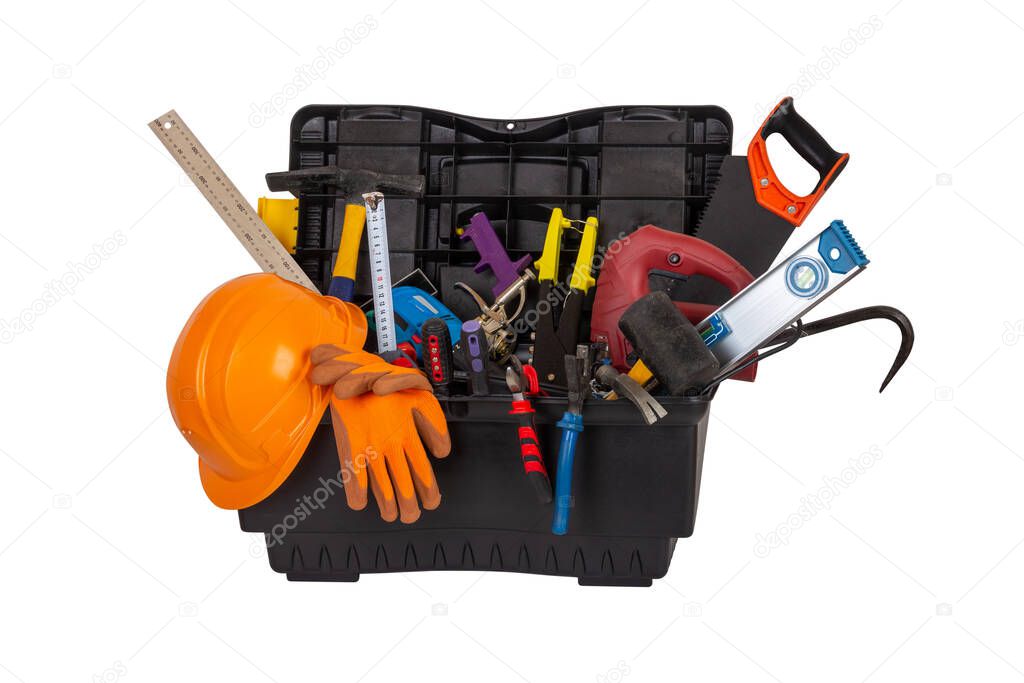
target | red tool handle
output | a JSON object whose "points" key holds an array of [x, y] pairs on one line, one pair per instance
{"points": [[437, 354], [529, 450], [627, 266], [809, 144]]}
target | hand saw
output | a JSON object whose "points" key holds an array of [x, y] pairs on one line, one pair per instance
{"points": [[751, 213]]}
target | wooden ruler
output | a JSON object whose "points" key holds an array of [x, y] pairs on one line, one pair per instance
{"points": [[226, 200]]}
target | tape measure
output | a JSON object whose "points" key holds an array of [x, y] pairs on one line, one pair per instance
{"points": [[226, 200], [380, 272]]}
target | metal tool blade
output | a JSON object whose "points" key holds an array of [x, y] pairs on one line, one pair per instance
{"points": [[650, 409], [512, 379], [735, 223], [380, 272]]}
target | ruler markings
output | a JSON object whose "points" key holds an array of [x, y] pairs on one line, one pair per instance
{"points": [[225, 198]]}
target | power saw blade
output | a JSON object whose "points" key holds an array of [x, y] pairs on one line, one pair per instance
{"points": [[751, 214]]}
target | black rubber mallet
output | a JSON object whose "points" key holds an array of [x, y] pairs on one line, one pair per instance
{"points": [[668, 344]]}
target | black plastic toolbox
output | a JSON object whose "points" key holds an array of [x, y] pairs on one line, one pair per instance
{"points": [[635, 486]]}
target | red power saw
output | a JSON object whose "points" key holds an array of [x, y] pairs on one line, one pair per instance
{"points": [[625, 277]]}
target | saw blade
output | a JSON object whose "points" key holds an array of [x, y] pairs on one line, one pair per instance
{"points": [[734, 222]]}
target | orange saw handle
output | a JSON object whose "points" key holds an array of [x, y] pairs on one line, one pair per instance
{"points": [[809, 144]]}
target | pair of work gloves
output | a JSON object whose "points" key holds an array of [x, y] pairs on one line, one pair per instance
{"points": [[385, 419]]}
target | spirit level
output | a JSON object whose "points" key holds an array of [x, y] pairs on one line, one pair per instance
{"points": [[782, 295]]}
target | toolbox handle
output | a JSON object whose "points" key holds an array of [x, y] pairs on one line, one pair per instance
{"points": [[810, 145]]}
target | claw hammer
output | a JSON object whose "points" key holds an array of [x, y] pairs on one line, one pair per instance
{"points": [[351, 184]]}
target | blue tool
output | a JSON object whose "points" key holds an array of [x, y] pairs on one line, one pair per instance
{"points": [[772, 302], [413, 307], [577, 370]]}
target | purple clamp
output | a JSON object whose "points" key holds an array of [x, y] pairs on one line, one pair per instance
{"points": [[492, 254]]}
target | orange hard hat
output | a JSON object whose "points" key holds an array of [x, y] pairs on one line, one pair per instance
{"points": [[238, 381]]}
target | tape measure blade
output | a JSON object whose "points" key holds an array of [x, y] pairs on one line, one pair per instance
{"points": [[225, 198], [380, 266]]}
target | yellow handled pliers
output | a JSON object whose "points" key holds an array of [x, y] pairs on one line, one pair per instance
{"points": [[555, 339]]}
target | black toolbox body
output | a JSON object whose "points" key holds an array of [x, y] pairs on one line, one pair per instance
{"points": [[635, 487]]}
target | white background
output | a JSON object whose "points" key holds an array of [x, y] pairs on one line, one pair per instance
{"points": [[114, 565]]}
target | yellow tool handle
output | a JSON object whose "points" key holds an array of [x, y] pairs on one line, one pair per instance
{"points": [[351, 235], [282, 217], [581, 278], [547, 264], [639, 373]]}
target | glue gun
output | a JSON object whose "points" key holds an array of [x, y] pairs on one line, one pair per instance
{"points": [[492, 254]]}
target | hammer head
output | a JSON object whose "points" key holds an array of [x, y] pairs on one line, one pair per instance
{"points": [[351, 183]]}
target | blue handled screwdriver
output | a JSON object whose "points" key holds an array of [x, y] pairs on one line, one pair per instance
{"points": [[577, 371]]}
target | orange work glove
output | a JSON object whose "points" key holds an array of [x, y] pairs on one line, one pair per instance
{"points": [[353, 371], [383, 415], [381, 441]]}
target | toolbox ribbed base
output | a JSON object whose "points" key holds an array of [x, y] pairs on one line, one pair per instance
{"points": [[636, 490], [594, 561]]}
